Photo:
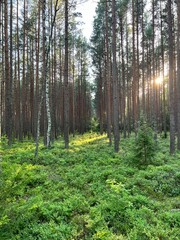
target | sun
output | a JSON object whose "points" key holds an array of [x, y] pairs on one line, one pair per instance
{"points": [[159, 80]]}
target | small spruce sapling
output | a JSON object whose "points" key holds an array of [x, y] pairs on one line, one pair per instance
{"points": [[145, 145], [95, 125]]}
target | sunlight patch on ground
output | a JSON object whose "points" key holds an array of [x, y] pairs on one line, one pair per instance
{"points": [[84, 140]]}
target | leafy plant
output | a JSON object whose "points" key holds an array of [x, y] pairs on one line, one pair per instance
{"points": [[3, 141]]}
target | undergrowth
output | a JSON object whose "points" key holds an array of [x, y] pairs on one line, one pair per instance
{"points": [[88, 192]]}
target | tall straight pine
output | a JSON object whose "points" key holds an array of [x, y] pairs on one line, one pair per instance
{"points": [[171, 80], [115, 82], [66, 83]]}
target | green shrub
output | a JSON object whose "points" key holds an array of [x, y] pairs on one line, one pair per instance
{"points": [[4, 141]]}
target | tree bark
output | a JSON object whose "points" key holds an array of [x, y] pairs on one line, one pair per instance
{"points": [[178, 70], [115, 82], [1, 76], [8, 83], [154, 105], [164, 93], [46, 79], [171, 82], [45, 84], [134, 71], [143, 62], [108, 83], [123, 112], [66, 82]]}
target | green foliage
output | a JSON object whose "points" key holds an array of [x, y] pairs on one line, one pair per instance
{"points": [[145, 145], [4, 141], [87, 192], [94, 125]]}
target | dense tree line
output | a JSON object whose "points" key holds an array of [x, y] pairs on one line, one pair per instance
{"points": [[43, 71], [135, 50], [44, 62]]}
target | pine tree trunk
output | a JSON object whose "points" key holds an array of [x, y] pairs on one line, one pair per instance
{"points": [[108, 96], [66, 83], [11, 70], [143, 62], [18, 79], [178, 70], [1, 76], [44, 71], [171, 82], [8, 83], [37, 96], [154, 105], [137, 64], [164, 91], [73, 94], [32, 89], [115, 83], [134, 71], [100, 99], [123, 78]]}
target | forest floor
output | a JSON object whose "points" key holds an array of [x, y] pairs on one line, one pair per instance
{"points": [[88, 192]]}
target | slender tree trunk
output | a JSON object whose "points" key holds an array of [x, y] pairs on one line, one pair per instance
{"points": [[143, 64], [154, 105], [1, 72], [164, 92], [100, 99], [18, 79], [66, 82], [27, 87], [44, 70], [73, 93], [79, 100], [54, 91], [137, 62], [32, 89], [81, 97], [15, 93], [171, 82], [11, 67], [108, 83], [61, 87], [128, 82], [48, 115], [178, 70], [8, 116], [115, 82], [134, 71], [23, 112], [46, 79], [123, 78], [45, 83], [38, 124], [37, 67]]}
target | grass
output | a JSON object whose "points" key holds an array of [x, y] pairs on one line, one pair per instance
{"points": [[88, 192]]}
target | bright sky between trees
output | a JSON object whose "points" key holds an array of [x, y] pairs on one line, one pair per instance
{"points": [[87, 9]]}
